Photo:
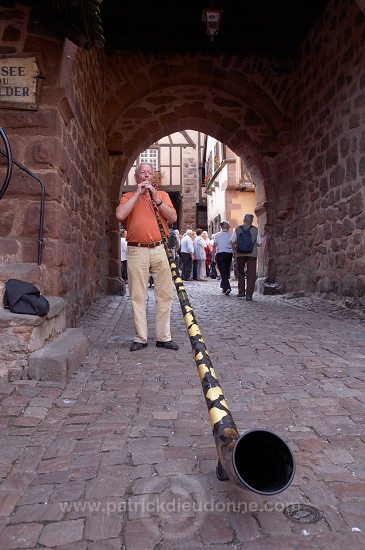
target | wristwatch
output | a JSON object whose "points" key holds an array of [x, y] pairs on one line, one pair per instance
{"points": [[159, 204]]}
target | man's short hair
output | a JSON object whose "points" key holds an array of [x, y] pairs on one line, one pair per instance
{"points": [[139, 164], [248, 218], [224, 224]]}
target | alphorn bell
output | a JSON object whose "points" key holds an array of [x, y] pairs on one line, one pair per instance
{"points": [[258, 459]]}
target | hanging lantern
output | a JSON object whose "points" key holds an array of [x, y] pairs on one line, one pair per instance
{"points": [[212, 19]]}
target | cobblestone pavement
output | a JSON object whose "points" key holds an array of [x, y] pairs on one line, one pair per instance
{"points": [[122, 457]]}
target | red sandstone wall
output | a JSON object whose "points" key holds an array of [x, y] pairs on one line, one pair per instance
{"points": [[320, 242], [64, 144], [308, 111]]}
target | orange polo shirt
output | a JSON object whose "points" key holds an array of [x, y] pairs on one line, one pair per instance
{"points": [[141, 224]]}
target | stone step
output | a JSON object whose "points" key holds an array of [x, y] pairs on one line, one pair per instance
{"points": [[22, 334], [57, 361]]}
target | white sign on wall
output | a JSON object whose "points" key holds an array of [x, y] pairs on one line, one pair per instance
{"points": [[20, 81]]}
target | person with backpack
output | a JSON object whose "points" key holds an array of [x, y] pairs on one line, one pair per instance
{"points": [[245, 240]]}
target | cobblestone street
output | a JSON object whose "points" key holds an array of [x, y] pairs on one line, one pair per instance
{"points": [[122, 456]]}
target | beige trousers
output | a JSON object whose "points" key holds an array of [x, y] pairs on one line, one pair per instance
{"points": [[142, 262]]}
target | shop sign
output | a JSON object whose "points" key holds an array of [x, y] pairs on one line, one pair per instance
{"points": [[20, 81]]}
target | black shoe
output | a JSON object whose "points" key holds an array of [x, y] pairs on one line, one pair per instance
{"points": [[167, 345], [249, 298], [226, 292], [240, 295], [137, 346]]}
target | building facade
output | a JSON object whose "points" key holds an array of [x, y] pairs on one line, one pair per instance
{"points": [[228, 185]]}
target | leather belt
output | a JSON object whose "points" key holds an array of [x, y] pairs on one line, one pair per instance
{"points": [[145, 245]]}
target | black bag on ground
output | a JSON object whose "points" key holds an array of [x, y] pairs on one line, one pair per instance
{"points": [[22, 297]]}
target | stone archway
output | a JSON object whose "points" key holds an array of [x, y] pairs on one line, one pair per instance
{"points": [[233, 101], [97, 112]]}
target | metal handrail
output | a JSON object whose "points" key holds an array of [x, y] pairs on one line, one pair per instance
{"points": [[5, 185], [10, 163]]}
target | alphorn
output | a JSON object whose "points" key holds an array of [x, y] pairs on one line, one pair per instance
{"points": [[258, 459]]}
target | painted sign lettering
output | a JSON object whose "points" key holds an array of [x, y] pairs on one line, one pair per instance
{"points": [[19, 82]]}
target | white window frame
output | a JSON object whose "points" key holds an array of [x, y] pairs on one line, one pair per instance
{"points": [[150, 156]]}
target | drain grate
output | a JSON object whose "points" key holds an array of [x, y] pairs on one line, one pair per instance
{"points": [[302, 513]]}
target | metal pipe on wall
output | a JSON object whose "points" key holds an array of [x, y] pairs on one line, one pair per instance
{"points": [[4, 187]]}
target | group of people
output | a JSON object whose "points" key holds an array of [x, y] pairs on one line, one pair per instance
{"points": [[195, 251], [143, 255]]}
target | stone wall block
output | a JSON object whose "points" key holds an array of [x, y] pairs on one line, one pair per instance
{"points": [[23, 185], [139, 80], [360, 222], [355, 120], [337, 177], [19, 14], [114, 245], [351, 169], [114, 268], [342, 210], [65, 165], [6, 219], [56, 219], [53, 185], [11, 34], [230, 124], [346, 191], [298, 258], [9, 248], [337, 230], [317, 236], [43, 121], [76, 180], [295, 247], [322, 217], [49, 330], [318, 165], [332, 157], [141, 134], [53, 253], [312, 221], [362, 166], [51, 54], [29, 249], [127, 93], [44, 152], [356, 204], [51, 283]]}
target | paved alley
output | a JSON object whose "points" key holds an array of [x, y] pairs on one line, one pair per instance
{"points": [[122, 456]]}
